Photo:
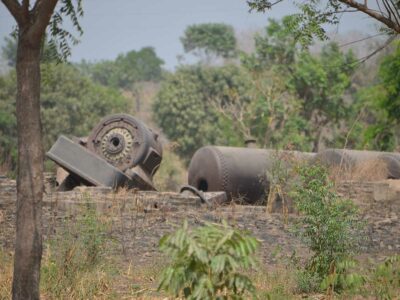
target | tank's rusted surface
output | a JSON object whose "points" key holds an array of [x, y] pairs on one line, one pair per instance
{"points": [[353, 160], [240, 172], [119, 144]]}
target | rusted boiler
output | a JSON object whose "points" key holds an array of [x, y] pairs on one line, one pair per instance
{"points": [[240, 172]]}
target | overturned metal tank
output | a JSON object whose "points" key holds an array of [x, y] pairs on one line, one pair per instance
{"points": [[120, 151], [361, 161], [240, 172]]}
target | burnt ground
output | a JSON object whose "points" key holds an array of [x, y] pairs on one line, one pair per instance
{"points": [[137, 220]]}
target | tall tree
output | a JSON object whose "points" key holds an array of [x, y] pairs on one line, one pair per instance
{"points": [[210, 39], [381, 102], [183, 105], [318, 81], [32, 18], [127, 69]]}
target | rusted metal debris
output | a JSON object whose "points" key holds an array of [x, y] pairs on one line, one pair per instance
{"points": [[240, 172], [120, 151], [245, 174]]}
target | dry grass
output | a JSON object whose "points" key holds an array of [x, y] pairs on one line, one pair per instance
{"points": [[140, 282], [371, 170], [6, 272], [278, 283], [172, 173], [129, 283], [368, 170]]}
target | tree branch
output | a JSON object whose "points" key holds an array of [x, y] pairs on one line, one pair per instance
{"points": [[372, 13], [387, 43], [25, 10], [42, 12], [15, 9], [394, 10]]}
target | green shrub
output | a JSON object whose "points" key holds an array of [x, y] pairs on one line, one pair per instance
{"points": [[342, 276], [207, 262], [386, 279], [328, 224]]}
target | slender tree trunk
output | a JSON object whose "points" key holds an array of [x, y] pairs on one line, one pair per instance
{"points": [[28, 244]]}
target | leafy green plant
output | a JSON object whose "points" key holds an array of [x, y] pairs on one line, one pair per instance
{"points": [[328, 224], [211, 39], [207, 262], [341, 275], [386, 279]]}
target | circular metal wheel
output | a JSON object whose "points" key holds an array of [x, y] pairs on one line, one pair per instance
{"points": [[120, 140]]}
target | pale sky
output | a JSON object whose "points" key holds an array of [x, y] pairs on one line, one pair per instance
{"points": [[114, 27]]}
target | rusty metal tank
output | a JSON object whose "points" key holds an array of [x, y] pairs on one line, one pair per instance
{"points": [[350, 160], [240, 172]]}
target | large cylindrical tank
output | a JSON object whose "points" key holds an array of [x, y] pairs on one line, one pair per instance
{"points": [[240, 172], [361, 161]]}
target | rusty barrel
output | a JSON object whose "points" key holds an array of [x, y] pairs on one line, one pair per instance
{"points": [[240, 172]]}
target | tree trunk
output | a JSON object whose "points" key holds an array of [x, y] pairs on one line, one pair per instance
{"points": [[28, 243]]}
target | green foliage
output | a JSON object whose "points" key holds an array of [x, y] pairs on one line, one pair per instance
{"points": [[184, 105], [307, 282], [329, 225], [60, 39], [280, 95], [127, 69], [212, 38], [314, 85], [275, 49], [382, 102], [273, 116], [75, 264], [71, 104], [390, 76], [56, 46], [385, 279], [342, 277], [321, 82], [207, 262]]}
